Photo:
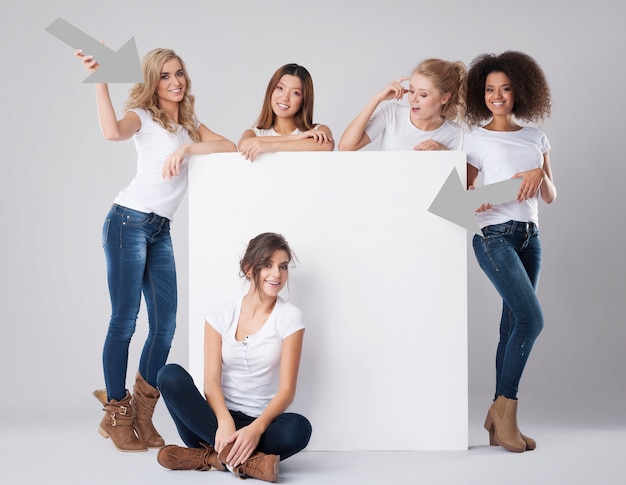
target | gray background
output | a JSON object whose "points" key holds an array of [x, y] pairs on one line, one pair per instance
{"points": [[59, 175]]}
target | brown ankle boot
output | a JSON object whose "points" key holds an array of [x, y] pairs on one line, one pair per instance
{"points": [[531, 444], [179, 458], [501, 423], [259, 465], [145, 398], [117, 422]]}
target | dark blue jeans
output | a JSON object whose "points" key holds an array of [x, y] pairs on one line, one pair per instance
{"points": [[288, 434], [140, 259], [510, 256]]}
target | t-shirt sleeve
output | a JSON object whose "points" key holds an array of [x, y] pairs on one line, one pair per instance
{"points": [[219, 317], [290, 320], [456, 143], [469, 146], [545, 143], [144, 117], [378, 122]]}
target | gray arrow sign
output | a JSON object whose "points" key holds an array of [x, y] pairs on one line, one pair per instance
{"points": [[122, 66], [457, 205]]}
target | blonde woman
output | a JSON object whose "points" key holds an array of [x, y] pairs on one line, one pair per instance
{"points": [[436, 98], [159, 116]]}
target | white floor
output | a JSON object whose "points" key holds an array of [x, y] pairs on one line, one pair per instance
{"points": [[585, 449]]}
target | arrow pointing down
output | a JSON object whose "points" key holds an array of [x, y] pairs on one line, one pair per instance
{"points": [[122, 66]]}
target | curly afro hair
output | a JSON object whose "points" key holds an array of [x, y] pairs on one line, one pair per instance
{"points": [[532, 94]]}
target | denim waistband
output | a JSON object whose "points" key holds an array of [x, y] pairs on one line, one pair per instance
{"points": [[151, 216], [514, 226]]}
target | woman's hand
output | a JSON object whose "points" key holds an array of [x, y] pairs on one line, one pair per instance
{"points": [[255, 148], [171, 167], [89, 63], [395, 90], [224, 434], [318, 136], [245, 441], [427, 145], [483, 207], [531, 181]]}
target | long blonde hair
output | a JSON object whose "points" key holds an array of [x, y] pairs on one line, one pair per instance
{"points": [[143, 95]]}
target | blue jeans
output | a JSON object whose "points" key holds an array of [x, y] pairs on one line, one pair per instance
{"points": [[510, 256], [288, 434], [140, 259]]}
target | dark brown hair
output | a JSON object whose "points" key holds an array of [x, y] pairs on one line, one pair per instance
{"points": [[530, 87], [259, 251], [304, 117]]}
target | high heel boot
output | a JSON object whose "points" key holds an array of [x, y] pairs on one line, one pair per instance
{"points": [[531, 444], [501, 423], [259, 465], [117, 422], [180, 458], [145, 398]]}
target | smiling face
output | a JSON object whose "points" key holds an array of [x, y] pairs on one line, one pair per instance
{"points": [[273, 274], [499, 95], [287, 96], [172, 83], [426, 101]]}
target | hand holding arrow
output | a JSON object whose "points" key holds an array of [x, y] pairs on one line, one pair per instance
{"points": [[457, 205], [122, 66]]}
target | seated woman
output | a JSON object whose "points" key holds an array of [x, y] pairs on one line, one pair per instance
{"points": [[252, 354]]}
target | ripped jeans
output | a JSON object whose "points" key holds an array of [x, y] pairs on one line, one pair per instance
{"points": [[510, 256]]}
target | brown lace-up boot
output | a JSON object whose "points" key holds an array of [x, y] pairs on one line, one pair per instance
{"points": [[259, 465], [145, 398], [180, 458], [117, 422]]}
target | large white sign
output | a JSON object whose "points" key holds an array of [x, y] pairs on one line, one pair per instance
{"points": [[380, 280]]}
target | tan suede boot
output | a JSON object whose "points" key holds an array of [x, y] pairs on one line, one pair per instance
{"points": [[501, 423], [259, 465], [117, 422], [531, 444], [145, 398], [180, 458]]}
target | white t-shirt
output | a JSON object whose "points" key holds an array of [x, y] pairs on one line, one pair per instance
{"points": [[250, 369], [148, 191], [392, 123], [271, 132], [499, 155]]}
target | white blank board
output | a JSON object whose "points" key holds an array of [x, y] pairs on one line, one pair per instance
{"points": [[381, 283]]}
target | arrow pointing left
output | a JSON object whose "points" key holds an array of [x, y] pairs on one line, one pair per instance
{"points": [[122, 66], [456, 204]]}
